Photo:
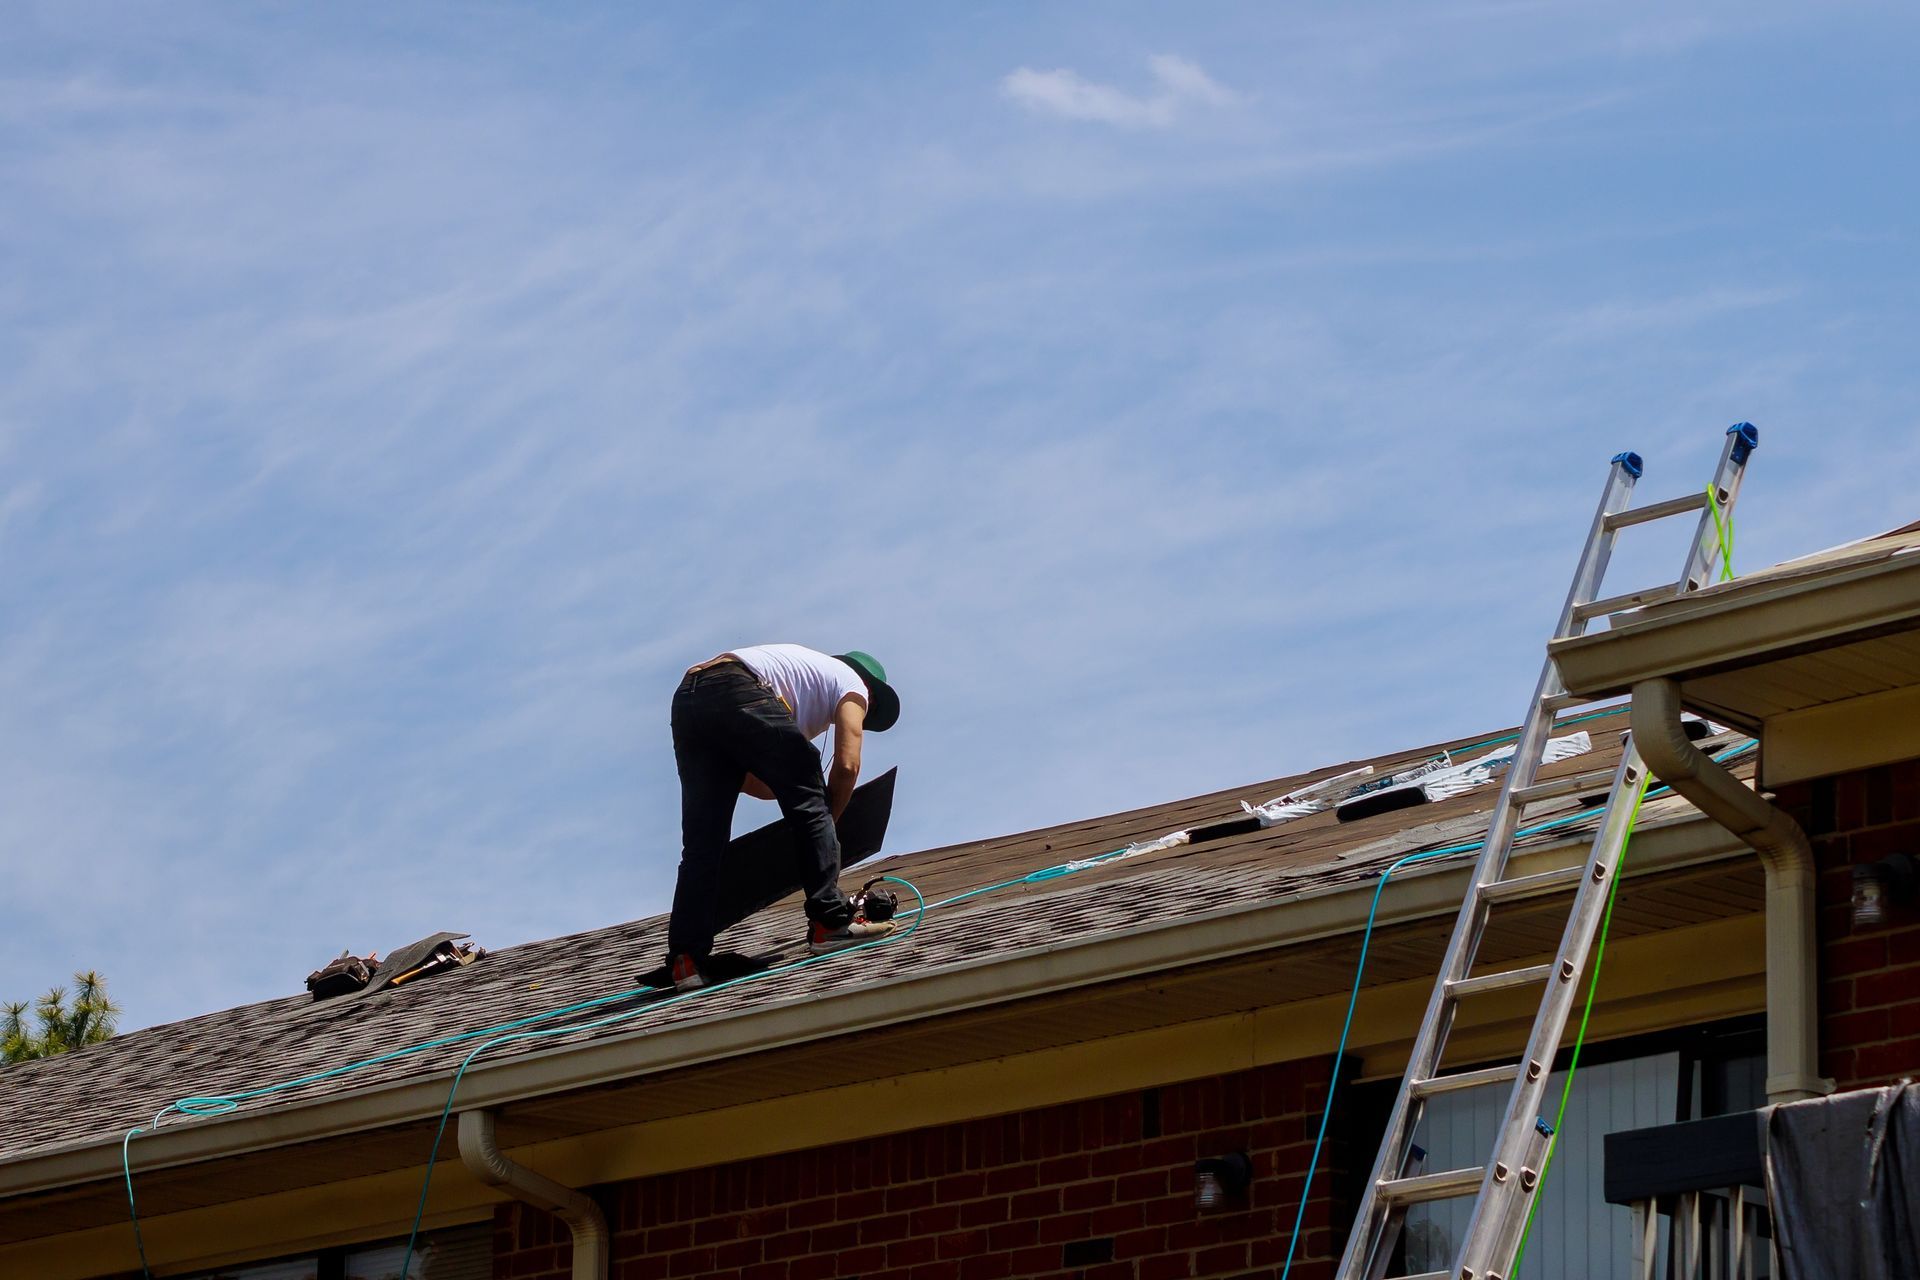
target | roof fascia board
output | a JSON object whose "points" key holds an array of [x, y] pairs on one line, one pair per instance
{"points": [[1060, 967], [1739, 629]]}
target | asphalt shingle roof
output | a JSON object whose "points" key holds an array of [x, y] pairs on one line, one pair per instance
{"points": [[98, 1093]]}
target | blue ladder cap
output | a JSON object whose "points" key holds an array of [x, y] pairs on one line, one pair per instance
{"points": [[1631, 461], [1546, 1130], [1747, 439]]}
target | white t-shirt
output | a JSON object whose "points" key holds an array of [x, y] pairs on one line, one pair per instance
{"points": [[812, 683]]}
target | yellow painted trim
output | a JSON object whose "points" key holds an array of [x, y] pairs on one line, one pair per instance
{"points": [[1837, 737], [1652, 982]]}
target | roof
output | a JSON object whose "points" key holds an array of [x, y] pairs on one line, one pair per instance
{"points": [[92, 1097]]}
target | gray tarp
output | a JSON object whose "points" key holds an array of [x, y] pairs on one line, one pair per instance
{"points": [[1843, 1181]]}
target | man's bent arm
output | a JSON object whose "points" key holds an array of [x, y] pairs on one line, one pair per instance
{"points": [[849, 720]]}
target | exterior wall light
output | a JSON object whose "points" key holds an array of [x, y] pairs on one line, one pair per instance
{"points": [[1220, 1179], [1880, 885]]}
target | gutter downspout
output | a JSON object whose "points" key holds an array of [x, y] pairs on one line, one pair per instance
{"points": [[1792, 1011], [592, 1247]]}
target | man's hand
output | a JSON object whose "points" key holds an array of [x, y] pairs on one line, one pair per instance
{"points": [[849, 722], [752, 786]]}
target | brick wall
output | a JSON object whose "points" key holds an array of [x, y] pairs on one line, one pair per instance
{"points": [[1870, 979], [1099, 1189]]}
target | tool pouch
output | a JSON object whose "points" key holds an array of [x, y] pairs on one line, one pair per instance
{"points": [[340, 977]]}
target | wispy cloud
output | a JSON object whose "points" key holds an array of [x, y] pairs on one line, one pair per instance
{"points": [[1183, 86]]}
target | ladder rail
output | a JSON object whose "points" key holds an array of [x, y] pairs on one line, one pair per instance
{"points": [[1511, 1175], [1436, 1022], [1500, 1211]]}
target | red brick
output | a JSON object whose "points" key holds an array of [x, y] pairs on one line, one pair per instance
{"points": [[1087, 1195], [1035, 1260], [960, 1244], [1013, 1235], [1852, 1029], [981, 1213], [905, 1253], [810, 1213], [1889, 986], [1903, 1021], [1220, 1259], [1173, 1267], [1141, 1243], [690, 1262], [819, 1266], [960, 1186], [1906, 791], [1063, 1169], [789, 1245], [1035, 1204], [986, 1266], [1903, 948], [1881, 1063], [1014, 1177], [1857, 955], [833, 1237], [915, 1195], [895, 1226], [736, 1253], [858, 1261], [1141, 1186], [859, 1204], [930, 1222], [670, 1239]]}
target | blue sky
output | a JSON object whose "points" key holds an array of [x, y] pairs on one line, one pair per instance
{"points": [[394, 400]]}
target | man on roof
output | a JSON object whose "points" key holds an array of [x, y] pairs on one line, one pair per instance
{"points": [[745, 721]]}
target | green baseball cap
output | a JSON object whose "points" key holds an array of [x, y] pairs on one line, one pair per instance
{"points": [[883, 704]]}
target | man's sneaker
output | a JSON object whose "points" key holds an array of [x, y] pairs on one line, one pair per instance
{"points": [[686, 974], [822, 938]]}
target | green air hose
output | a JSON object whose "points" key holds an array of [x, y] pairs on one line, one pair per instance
{"points": [[1366, 939]]}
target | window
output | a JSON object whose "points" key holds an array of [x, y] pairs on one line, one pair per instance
{"points": [[1636, 1084], [456, 1253]]}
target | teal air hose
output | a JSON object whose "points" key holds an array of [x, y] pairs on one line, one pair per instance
{"points": [[505, 1032]]}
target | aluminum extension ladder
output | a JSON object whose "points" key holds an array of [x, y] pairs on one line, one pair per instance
{"points": [[1503, 1189]]}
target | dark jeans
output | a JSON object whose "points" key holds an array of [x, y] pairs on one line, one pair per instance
{"points": [[727, 724]]}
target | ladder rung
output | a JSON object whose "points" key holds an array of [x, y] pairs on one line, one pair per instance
{"points": [[1657, 510], [1464, 1080], [1571, 785], [1562, 701], [1532, 886], [1631, 600], [1499, 981], [1432, 1186]]}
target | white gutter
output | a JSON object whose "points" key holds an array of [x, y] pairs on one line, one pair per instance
{"points": [[1792, 1010], [592, 1244]]}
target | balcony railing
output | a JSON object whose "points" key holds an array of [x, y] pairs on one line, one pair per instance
{"points": [[1705, 1178]]}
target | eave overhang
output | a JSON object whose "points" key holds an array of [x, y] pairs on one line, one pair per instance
{"points": [[1821, 664]]}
